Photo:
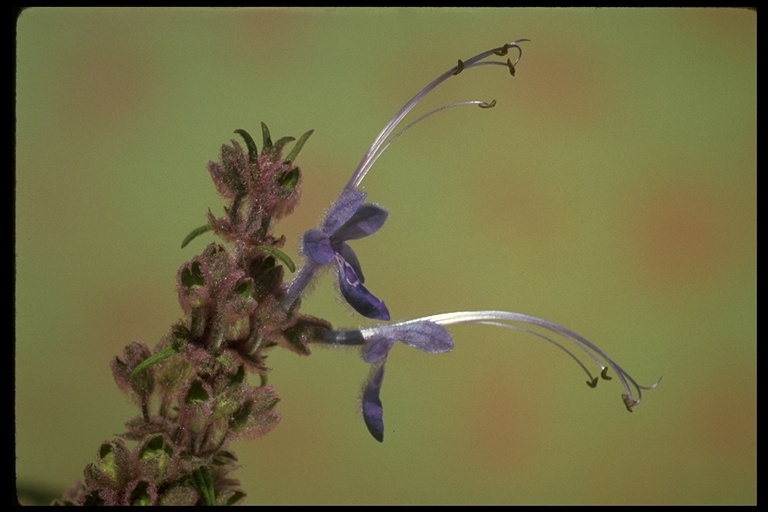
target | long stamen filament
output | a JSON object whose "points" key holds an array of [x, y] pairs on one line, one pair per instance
{"points": [[545, 338], [368, 158], [380, 150]]}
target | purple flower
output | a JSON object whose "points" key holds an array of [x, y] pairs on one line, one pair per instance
{"points": [[348, 219], [424, 335], [428, 334]]}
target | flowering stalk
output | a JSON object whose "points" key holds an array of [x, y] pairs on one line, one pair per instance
{"points": [[192, 389]]}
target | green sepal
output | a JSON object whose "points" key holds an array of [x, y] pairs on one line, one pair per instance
{"points": [[196, 393], [192, 277], [240, 418], [238, 377], [194, 234], [289, 179], [196, 323], [154, 445], [297, 147], [245, 289], [277, 253], [140, 495], [204, 483], [253, 152]]}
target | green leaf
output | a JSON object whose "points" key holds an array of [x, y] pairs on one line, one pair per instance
{"points": [[224, 454], [204, 483], [236, 496], [278, 146], [299, 144], [277, 253], [253, 152], [155, 358], [266, 136], [194, 234]]}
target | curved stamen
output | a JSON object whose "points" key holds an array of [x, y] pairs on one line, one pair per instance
{"points": [[592, 379], [369, 157]]}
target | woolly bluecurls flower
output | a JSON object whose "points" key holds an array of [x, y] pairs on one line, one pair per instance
{"points": [[350, 218], [422, 334], [428, 335]]}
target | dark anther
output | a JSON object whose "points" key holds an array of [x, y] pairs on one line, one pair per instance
{"points": [[487, 105], [501, 51], [604, 374], [511, 67], [592, 383], [628, 402], [459, 67]]}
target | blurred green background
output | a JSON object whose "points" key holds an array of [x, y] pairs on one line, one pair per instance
{"points": [[612, 190]]}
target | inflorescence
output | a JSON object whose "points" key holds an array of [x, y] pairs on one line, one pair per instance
{"points": [[192, 388]]}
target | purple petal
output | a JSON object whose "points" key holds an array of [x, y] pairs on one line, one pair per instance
{"points": [[317, 247], [377, 348], [373, 412], [343, 209], [350, 257], [426, 336], [357, 295], [367, 220]]}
